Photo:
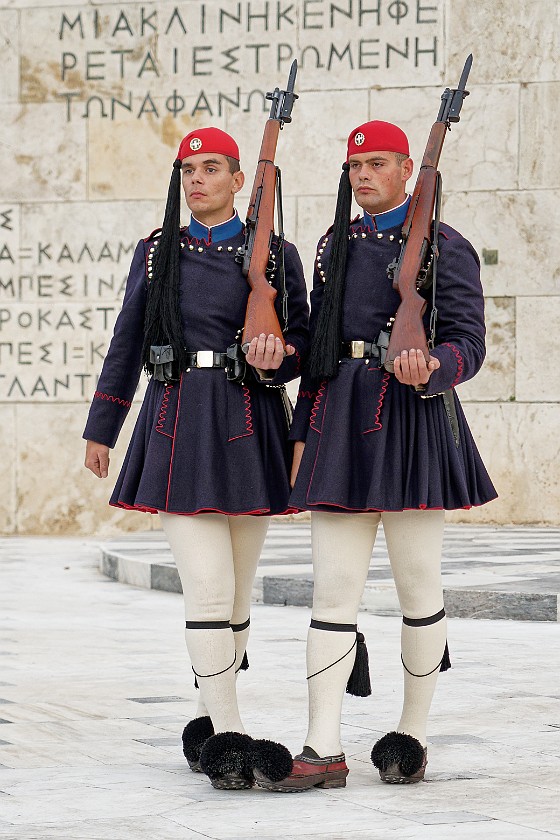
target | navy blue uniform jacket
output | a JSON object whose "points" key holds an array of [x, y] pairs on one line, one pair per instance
{"points": [[371, 442], [203, 444]]}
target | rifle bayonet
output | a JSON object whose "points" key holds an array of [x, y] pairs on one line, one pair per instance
{"points": [[283, 100], [452, 100]]}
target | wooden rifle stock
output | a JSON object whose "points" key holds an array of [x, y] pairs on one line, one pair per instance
{"points": [[408, 332], [261, 316]]}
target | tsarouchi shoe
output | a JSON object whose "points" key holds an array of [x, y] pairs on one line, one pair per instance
{"points": [[400, 759], [230, 760], [195, 735], [309, 771]]}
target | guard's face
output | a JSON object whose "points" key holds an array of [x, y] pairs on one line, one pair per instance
{"points": [[210, 186], [378, 181]]}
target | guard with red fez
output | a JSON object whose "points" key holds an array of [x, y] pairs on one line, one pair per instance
{"points": [[210, 450], [372, 447]]}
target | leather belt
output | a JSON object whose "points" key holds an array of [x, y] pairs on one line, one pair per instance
{"points": [[360, 350], [206, 359]]}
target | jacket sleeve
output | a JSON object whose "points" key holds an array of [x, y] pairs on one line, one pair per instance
{"points": [[460, 330], [307, 393], [298, 321], [122, 366]]}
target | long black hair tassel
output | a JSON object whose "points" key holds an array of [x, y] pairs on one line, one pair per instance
{"points": [[163, 322], [325, 347]]}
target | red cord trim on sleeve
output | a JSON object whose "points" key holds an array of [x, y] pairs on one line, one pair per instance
{"points": [[459, 363], [376, 422], [298, 357], [101, 396], [316, 406], [163, 411], [248, 414], [310, 394]]}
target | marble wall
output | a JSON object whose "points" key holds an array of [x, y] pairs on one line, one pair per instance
{"points": [[94, 99]]}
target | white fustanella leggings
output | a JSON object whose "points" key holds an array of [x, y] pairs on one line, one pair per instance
{"points": [[342, 548], [216, 556]]}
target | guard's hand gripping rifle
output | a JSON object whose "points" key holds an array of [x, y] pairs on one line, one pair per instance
{"points": [[259, 226], [408, 330]]}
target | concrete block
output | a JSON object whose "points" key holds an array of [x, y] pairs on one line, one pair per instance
{"points": [[540, 120], [537, 378], [8, 443], [496, 380], [9, 47], [519, 443], [505, 34], [49, 169], [518, 226]]}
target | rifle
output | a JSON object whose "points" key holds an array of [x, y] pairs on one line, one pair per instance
{"points": [[254, 254], [411, 269]]}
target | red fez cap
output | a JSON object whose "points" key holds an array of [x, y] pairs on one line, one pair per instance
{"points": [[208, 140], [377, 136]]}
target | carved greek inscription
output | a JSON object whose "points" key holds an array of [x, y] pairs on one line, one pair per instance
{"points": [[195, 59], [58, 305]]}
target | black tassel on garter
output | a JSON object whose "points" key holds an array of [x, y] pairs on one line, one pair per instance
{"points": [[359, 682]]}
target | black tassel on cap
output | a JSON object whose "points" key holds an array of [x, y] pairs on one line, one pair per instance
{"points": [[163, 323], [358, 682], [325, 347], [446, 661]]}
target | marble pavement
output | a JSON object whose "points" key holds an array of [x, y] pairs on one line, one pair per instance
{"points": [[95, 688], [488, 571]]}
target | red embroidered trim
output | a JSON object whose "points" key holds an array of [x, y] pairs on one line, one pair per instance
{"points": [[248, 415], [147, 509], [100, 396], [376, 423], [192, 240], [459, 363], [316, 405], [382, 510], [310, 394], [298, 357], [163, 410]]}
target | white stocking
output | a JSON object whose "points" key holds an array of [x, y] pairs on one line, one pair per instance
{"points": [[342, 546], [414, 539], [203, 549]]}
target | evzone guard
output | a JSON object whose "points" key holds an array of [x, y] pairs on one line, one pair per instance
{"points": [[209, 452], [372, 447]]}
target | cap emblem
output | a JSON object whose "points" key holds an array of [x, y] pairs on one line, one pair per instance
{"points": [[359, 138], [196, 144]]}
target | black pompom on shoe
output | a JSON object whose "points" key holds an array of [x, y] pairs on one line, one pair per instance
{"points": [[195, 733], [226, 758], [271, 759], [400, 758]]}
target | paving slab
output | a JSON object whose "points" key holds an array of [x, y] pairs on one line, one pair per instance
{"points": [[96, 688], [488, 571]]}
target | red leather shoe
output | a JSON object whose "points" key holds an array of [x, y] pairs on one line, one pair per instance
{"points": [[309, 771]]}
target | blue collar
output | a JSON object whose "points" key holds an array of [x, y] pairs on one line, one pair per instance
{"points": [[389, 219], [225, 230]]}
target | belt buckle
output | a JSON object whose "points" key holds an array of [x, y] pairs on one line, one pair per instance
{"points": [[205, 358], [357, 349]]}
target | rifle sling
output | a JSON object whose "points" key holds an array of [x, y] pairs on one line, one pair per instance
{"points": [[282, 266], [447, 396]]}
